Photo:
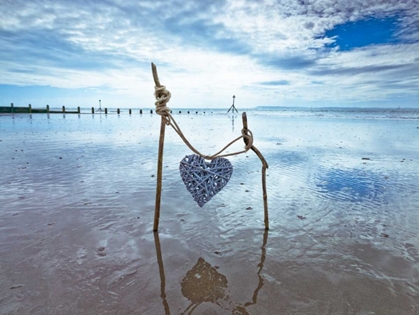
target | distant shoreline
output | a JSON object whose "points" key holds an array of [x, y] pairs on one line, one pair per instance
{"points": [[281, 112]]}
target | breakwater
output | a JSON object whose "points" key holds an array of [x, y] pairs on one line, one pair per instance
{"points": [[29, 110]]}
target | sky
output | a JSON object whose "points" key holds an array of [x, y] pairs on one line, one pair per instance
{"points": [[320, 53]]}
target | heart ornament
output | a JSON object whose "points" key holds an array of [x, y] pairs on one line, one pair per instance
{"points": [[204, 180]]}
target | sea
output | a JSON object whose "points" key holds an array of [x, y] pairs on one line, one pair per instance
{"points": [[327, 112]]}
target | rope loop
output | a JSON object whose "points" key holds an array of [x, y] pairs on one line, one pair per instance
{"points": [[248, 138], [162, 96]]}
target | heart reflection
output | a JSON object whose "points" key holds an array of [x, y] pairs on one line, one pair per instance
{"points": [[204, 283]]}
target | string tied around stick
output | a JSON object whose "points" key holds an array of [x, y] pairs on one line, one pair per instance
{"points": [[248, 138], [162, 96]]}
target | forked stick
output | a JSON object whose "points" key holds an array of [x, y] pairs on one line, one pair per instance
{"points": [[263, 171]]}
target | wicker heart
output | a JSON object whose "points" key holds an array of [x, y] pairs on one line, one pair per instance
{"points": [[204, 180]]}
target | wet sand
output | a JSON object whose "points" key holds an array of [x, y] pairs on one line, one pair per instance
{"points": [[77, 197]]}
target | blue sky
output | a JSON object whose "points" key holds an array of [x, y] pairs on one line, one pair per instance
{"points": [[267, 53]]}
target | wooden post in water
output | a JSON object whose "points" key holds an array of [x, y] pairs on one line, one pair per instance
{"points": [[129, 111], [141, 111], [93, 110], [106, 110], [264, 169], [78, 109], [118, 111], [233, 108], [30, 109], [63, 109], [151, 111], [11, 108], [160, 158], [48, 109]]}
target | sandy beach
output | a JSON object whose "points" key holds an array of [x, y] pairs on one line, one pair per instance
{"points": [[77, 195]]}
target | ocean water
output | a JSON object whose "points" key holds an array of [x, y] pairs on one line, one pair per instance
{"points": [[326, 112], [77, 196]]}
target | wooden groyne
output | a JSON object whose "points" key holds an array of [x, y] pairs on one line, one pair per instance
{"points": [[29, 110]]}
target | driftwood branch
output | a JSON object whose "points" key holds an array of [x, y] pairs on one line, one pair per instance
{"points": [[160, 158], [155, 75], [263, 170]]}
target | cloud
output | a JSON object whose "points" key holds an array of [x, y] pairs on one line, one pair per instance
{"points": [[204, 32], [359, 70], [287, 63], [210, 50], [43, 47], [275, 83]]}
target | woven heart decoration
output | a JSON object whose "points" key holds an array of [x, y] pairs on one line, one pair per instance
{"points": [[204, 180]]}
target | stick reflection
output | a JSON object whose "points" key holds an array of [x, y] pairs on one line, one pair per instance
{"points": [[161, 273], [204, 283], [233, 123]]}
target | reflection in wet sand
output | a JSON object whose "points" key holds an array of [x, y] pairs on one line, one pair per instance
{"points": [[76, 214], [161, 273], [204, 283]]}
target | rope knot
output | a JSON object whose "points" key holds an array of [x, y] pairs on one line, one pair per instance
{"points": [[162, 96], [248, 138]]}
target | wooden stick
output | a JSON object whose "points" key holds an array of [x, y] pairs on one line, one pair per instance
{"points": [[160, 159], [263, 171], [155, 75]]}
